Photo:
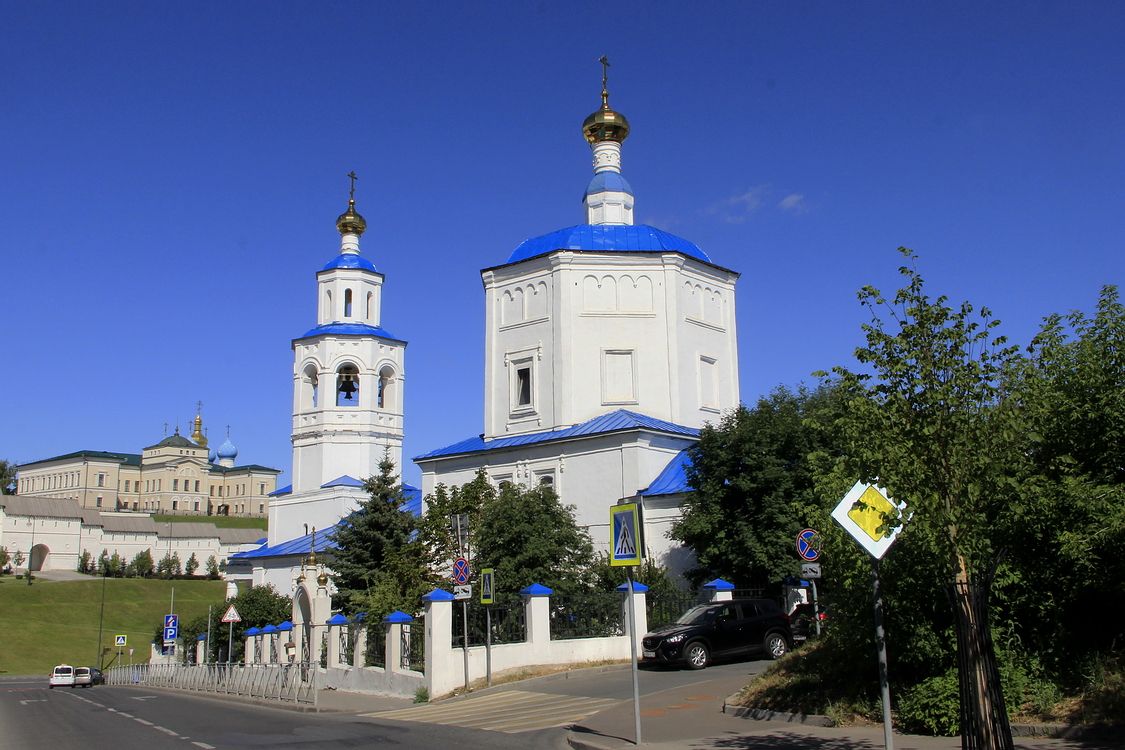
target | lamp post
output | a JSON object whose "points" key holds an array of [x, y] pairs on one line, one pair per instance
{"points": [[31, 552]]}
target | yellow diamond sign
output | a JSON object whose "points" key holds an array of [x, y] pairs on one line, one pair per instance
{"points": [[862, 512]]}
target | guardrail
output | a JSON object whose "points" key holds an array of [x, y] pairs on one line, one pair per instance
{"points": [[293, 683]]}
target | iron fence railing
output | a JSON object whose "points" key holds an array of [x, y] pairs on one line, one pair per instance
{"points": [[295, 682], [413, 646], [667, 607], [376, 655], [592, 614]]}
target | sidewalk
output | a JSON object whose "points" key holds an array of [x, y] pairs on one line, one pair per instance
{"points": [[693, 719]]}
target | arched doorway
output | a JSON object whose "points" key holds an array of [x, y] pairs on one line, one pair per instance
{"points": [[37, 560]]}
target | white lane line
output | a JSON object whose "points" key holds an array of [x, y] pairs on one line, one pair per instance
{"points": [[204, 745], [146, 723], [165, 730], [122, 713]]}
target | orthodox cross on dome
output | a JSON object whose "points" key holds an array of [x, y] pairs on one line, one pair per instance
{"points": [[198, 407], [605, 80], [351, 193]]}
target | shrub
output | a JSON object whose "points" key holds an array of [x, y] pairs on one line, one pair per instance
{"points": [[931, 707]]}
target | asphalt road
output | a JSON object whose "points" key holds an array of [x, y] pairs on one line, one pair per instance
{"points": [[33, 717]]}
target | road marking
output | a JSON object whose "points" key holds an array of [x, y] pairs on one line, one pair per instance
{"points": [[146, 723], [32, 700], [159, 728], [204, 745], [142, 697], [509, 711]]}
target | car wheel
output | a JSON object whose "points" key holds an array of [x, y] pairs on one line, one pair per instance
{"points": [[776, 645], [696, 655]]}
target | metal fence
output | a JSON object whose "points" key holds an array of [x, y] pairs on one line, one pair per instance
{"points": [[593, 614], [667, 607], [376, 655], [414, 645], [294, 682], [508, 622]]}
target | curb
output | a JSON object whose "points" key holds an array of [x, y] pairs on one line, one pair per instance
{"points": [[764, 714]]}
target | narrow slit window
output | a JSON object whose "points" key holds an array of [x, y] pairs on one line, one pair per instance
{"points": [[523, 386], [347, 303]]}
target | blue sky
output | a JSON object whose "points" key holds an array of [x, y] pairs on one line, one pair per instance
{"points": [[170, 174]]}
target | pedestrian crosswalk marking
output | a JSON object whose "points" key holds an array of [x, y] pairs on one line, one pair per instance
{"points": [[625, 546], [506, 711]]}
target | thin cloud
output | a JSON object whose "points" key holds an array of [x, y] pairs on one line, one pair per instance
{"points": [[738, 208], [794, 203]]}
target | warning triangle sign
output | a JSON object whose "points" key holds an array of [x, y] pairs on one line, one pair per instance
{"points": [[231, 615], [625, 546]]}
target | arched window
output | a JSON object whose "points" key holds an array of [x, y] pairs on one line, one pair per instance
{"points": [[347, 386], [370, 304], [385, 396], [329, 313], [347, 303], [311, 387]]}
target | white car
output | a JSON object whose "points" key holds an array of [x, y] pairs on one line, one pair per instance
{"points": [[62, 676], [82, 677]]}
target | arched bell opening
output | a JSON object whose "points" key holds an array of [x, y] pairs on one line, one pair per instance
{"points": [[310, 387], [347, 386], [347, 303], [385, 398]]}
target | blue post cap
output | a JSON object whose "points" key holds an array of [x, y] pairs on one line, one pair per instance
{"points": [[285, 627], [359, 617], [337, 619], [438, 595], [397, 617], [201, 637], [638, 587], [269, 630], [719, 585], [253, 631], [536, 589]]}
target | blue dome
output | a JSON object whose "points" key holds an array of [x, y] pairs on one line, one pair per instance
{"points": [[349, 260], [628, 238], [608, 181], [227, 450], [213, 456]]}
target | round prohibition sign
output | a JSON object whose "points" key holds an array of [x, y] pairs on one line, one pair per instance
{"points": [[808, 545], [461, 571]]}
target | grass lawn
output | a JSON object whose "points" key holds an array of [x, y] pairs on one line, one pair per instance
{"points": [[223, 522], [55, 622]]}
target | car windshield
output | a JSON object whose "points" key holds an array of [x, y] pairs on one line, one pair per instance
{"points": [[63, 670], [82, 670], [697, 615]]}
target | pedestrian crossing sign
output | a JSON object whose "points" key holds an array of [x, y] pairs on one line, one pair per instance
{"points": [[625, 541]]}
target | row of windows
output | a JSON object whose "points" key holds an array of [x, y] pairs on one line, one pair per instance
{"points": [[348, 304], [348, 389]]}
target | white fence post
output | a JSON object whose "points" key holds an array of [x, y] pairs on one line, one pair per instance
{"points": [[537, 613]]}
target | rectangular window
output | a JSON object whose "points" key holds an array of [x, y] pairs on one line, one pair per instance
{"points": [[261, 507], [158, 485], [101, 480], [197, 485], [708, 383], [175, 485], [523, 386], [212, 490], [99, 501], [175, 505], [261, 488], [618, 377], [126, 485]]}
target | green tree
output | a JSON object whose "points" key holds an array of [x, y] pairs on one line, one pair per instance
{"points": [[7, 477], [4, 557], [212, 567], [371, 544], [142, 564], [85, 562], [257, 606], [1070, 512], [191, 565], [931, 424], [753, 487], [103, 563]]}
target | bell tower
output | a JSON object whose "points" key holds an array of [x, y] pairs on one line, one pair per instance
{"points": [[347, 372]]}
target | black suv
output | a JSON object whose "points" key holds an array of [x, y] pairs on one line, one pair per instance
{"points": [[718, 629]]}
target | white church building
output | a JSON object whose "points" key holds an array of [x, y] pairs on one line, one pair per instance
{"points": [[608, 345]]}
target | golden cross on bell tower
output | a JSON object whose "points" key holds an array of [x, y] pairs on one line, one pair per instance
{"points": [[605, 78], [351, 193]]}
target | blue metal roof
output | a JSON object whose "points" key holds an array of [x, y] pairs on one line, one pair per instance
{"points": [[615, 421], [286, 490], [343, 481], [298, 546], [637, 238], [349, 329], [349, 260], [324, 540], [608, 181], [672, 480]]}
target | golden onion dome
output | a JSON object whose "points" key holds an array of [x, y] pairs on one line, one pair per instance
{"points": [[605, 125], [351, 221], [322, 580]]}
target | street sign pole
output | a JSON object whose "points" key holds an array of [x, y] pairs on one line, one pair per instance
{"points": [[230, 641], [488, 646], [207, 643], [633, 655], [881, 646]]}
